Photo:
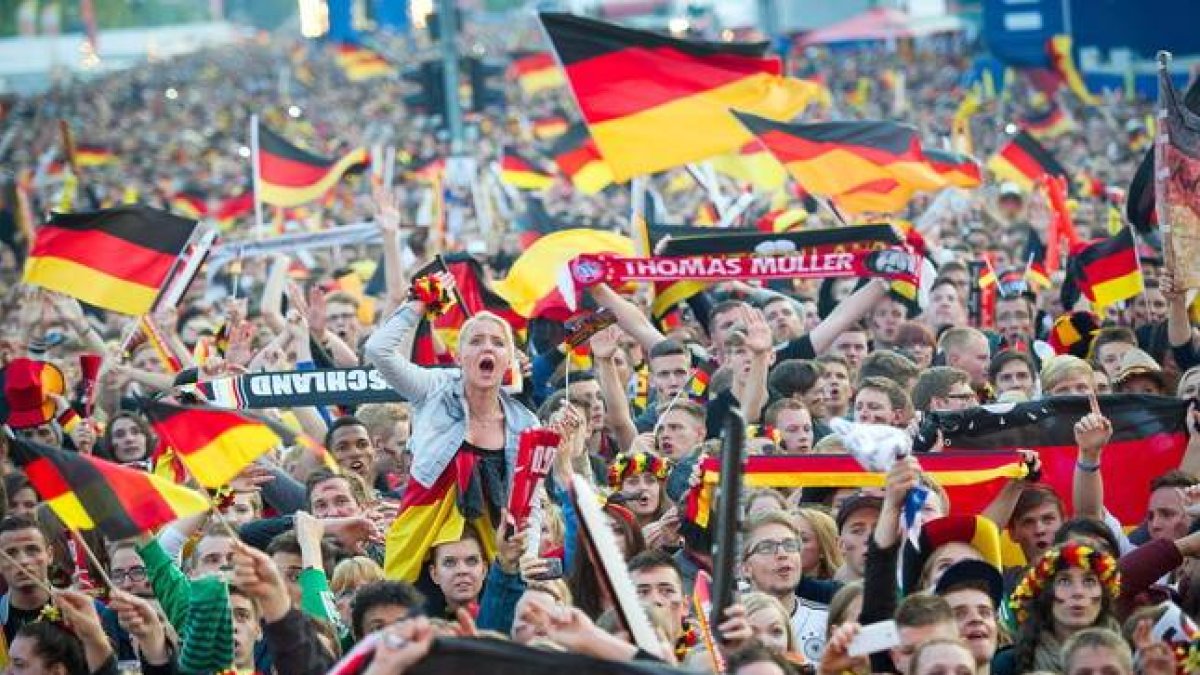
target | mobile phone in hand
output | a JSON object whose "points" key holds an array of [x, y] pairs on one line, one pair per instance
{"points": [[554, 570]]}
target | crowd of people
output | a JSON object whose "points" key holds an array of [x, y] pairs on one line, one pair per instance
{"points": [[307, 565]]}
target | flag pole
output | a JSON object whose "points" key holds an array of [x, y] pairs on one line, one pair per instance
{"points": [[257, 173], [92, 558]]}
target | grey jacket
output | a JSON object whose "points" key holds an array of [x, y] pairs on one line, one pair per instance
{"points": [[439, 411]]}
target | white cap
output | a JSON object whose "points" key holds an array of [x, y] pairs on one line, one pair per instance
{"points": [[1010, 188]]}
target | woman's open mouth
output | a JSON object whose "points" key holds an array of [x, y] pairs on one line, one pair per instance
{"points": [[487, 365]]}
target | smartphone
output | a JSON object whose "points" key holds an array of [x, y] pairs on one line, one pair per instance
{"points": [[874, 638], [554, 571]]}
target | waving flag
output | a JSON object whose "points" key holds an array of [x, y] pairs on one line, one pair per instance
{"points": [[532, 286], [360, 63], [834, 158], [1149, 438], [523, 173], [960, 170], [577, 157], [214, 444], [1107, 271], [116, 258], [1059, 50], [653, 102], [88, 493], [1023, 161], [1048, 123], [536, 71], [290, 176], [476, 295]]}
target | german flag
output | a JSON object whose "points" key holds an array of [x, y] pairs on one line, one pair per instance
{"points": [[88, 493], [94, 155], [958, 169], [190, 202], [214, 444], [833, 158], [550, 127], [361, 64], [972, 479], [782, 220], [536, 71], [232, 208], [290, 176], [1036, 275], [1059, 50], [521, 172], [753, 164], [1048, 123], [1149, 438], [885, 195], [1107, 271], [577, 157], [653, 102], [1023, 160], [116, 259], [427, 171]]}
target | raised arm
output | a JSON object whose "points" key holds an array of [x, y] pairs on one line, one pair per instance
{"points": [[846, 314], [629, 317], [616, 404], [1092, 432], [384, 351], [1179, 324], [751, 391], [387, 217], [272, 297]]}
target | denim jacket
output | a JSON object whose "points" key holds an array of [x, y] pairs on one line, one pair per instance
{"points": [[439, 410]]}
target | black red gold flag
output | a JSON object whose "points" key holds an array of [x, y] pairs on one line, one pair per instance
{"points": [[116, 258], [834, 158], [1023, 160], [214, 444], [291, 176], [535, 72], [522, 172], [1149, 438], [88, 493], [653, 102], [1107, 271], [579, 159], [960, 170]]}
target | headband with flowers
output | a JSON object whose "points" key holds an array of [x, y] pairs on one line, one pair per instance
{"points": [[631, 464], [1068, 555]]}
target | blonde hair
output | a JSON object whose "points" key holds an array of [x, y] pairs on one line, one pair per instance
{"points": [[381, 419], [352, 573], [470, 324], [1062, 366], [825, 528], [757, 602]]}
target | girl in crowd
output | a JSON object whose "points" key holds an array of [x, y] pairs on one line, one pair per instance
{"points": [[819, 551]]}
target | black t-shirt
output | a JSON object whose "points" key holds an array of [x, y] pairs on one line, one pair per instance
{"points": [[18, 618], [800, 348]]}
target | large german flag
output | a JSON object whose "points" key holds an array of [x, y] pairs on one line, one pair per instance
{"points": [[1023, 160], [1149, 438], [833, 158], [653, 102], [1107, 271], [116, 259], [214, 444], [88, 493], [536, 71], [521, 172], [960, 170], [577, 157], [290, 176]]}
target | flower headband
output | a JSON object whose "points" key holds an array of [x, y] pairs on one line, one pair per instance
{"points": [[1056, 560], [630, 464]]}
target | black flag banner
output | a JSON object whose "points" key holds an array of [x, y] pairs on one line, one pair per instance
{"points": [[329, 386]]}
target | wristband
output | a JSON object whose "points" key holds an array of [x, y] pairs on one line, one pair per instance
{"points": [[1087, 467]]}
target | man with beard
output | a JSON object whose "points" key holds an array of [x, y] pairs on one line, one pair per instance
{"points": [[973, 589], [771, 562]]}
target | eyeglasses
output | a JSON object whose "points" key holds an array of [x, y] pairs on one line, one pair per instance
{"points": [[963, 396], [134, 574], [771, 547]]}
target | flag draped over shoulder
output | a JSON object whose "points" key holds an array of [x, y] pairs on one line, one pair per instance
{"points": [[653, 102], [533, 286], [214, 444], [88, 493], [1149, 439], [291, 176], [1107, 270], [1023, 160], [579, 159], [972, 479], [836, 158], [117, 258]]}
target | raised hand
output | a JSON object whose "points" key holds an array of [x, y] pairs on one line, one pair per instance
{"points": [[387, 209], [257, 576], [316, 312], [139, 619], [836, 660], [1093, 431], [605, 343], [401, 645], [758, 333]]}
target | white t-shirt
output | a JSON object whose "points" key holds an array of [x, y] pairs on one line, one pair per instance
{"points": [[808, 627]]}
